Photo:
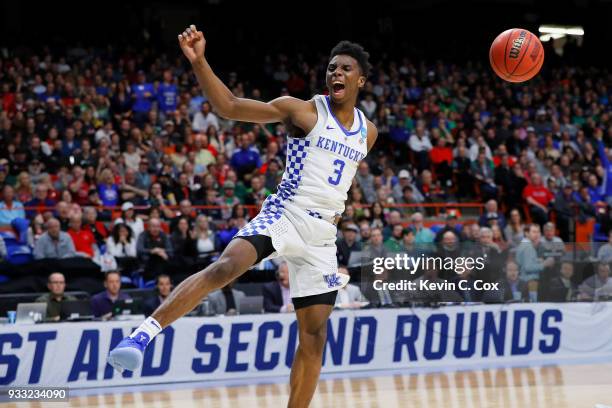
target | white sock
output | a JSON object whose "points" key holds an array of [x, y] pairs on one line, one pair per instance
{"points": [[150, 326]]}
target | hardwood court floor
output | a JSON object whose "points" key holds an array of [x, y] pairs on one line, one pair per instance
{"points": [[568, 386]]}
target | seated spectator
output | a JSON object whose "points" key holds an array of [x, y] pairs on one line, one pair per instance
{"points": [[54, 244], [598, 286], [41, 203], [23, 187], [240, 211], [483, 171], [462, 172], [448, 247], [63, 212], [562, 288], [365, 180], [394, 242], [420, 144], [122, 245], [441, 157], [377, 215], [205, 118], [97, 228], [226, 300], [163, 287], [228, 200], [182, 190], [184, 244], [277, 298], [491, 213], [375, 248], [410, 196], [538, 198], [393, 218], [530, 265], [423, 235], [56, 283], [129, 217], [206, 242], [349, 296], [604, 254], [405, 180], [129, 188], [37, 228], [348, 243], [565, 208], [10, 209], [430, 190], [450, 225], [79, 186], [154, 249], [408, 242], [514, 231], [143, 177], [258, 191], [512, 288], [498, 238], [551, 246], [185, 211], [84, 241], [108, 189], [102, 304], [245, 158], [494, 258]]}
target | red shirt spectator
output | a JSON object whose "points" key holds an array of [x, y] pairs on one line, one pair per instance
{"points": [[83, 239], [538, 193], [497, 159], [441, 153]]}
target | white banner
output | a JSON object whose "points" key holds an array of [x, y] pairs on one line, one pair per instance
{"points": [[197, 349]]}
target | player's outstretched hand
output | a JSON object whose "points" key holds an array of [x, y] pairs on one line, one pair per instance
{"points": [[192, 43]]}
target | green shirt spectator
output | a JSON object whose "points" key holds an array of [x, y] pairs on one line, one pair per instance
{"points": [[56, 283]]}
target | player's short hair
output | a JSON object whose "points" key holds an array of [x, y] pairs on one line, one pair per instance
{"points": [[356, 51]]}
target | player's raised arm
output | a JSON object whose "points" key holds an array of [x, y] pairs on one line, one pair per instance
{"points": [[282, 109]]}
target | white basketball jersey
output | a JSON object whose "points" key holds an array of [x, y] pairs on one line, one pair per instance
{"points": [[321, 165], [319, 170]]}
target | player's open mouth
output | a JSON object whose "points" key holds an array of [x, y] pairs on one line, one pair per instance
{"points": [[337, 88]]}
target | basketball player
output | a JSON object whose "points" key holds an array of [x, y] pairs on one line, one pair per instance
{"points": [[327, 138]]}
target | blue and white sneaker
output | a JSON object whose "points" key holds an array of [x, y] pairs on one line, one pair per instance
{"points": [[129, 352]]}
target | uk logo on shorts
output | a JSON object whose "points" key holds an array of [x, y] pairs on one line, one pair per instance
{"points": [[332, 280]]}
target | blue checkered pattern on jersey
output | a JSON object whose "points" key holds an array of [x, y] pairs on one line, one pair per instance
{"points": [[315, 214], [272, 208]]}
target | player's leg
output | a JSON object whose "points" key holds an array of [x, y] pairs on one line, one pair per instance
{"points": [[235, 260], [312, 315]]}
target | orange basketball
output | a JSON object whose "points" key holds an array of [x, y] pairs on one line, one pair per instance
{"points": [[516, 55]]}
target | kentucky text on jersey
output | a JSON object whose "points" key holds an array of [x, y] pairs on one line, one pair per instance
{"points": [[339, 149]]}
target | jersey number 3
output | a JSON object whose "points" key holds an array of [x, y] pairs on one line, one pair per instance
{"points": [[338, 167]]}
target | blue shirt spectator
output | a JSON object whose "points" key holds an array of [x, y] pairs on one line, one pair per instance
{"points": [[108, 189], [606, 188], [167, 94], [143, 94], [245, 160], [10, 209], [109, 194], [103, 303]]}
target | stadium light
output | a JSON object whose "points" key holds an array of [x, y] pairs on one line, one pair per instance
{"points": [[555, 32], [547, 37]]}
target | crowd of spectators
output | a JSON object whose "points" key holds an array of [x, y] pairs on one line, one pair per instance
{"points": [[115, 161]]}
